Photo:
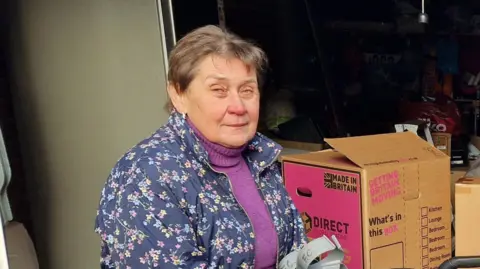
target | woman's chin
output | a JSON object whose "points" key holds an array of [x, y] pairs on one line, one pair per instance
{"points": [[235, 141], [234, 144]]}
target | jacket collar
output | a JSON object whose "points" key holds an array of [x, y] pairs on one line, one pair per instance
{"points": [[260, 152]]}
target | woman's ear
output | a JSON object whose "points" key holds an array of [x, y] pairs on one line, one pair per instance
{"points": [[177, 98]]}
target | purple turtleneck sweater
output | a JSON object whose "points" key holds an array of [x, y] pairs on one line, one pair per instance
{"points": [[231, 162]]}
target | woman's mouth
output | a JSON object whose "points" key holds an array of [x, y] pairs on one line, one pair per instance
{"points": [[236, 125]]}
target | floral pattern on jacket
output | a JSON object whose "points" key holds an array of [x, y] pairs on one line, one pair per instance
{"points": [[164, 207]]}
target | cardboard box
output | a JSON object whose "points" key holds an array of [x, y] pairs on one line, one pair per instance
{"points": [[385, 197], [294, 147], [443, 142], [456, 174], [299, 145], [467, 217]]}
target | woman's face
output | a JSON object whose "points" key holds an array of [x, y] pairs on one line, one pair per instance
{"points": [[222, 101]]}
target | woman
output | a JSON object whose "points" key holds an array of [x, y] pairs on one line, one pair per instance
{"points": [[205, 190]]}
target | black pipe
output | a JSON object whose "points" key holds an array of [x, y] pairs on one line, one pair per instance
{"points": [[461, 262]]}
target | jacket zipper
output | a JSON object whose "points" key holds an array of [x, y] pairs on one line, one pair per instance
{"points": [[244, 211], [270, 214]]}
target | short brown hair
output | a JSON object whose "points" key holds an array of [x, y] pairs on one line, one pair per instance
{"points": [[203, 42]]}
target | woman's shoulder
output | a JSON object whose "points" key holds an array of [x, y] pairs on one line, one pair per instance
{"points": [[162, 141], [161, 151], [152, 167], [147, 175]]}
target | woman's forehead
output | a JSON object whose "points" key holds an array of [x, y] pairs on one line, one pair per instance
{"points": [[223, 68]]}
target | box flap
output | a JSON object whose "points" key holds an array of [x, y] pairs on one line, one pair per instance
{"points": [[323, 158], [469, 181], [385, 149]]}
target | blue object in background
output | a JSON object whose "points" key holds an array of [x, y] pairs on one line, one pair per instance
{"points": [[447, 56]]}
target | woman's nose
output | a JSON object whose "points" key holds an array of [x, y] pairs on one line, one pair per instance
{"points": [[236, 105]]}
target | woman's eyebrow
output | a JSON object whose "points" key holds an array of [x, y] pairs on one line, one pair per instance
{"points": [[223, 78], [217, 77]]}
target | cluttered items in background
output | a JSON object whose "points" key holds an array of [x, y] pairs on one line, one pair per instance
{"points": [[444, 120], [440, 112], [418, 127]]}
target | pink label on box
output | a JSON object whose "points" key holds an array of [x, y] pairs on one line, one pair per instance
{"points": [[330, 203]]}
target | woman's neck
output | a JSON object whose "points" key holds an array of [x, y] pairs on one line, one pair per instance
{"points": [[220, 156]]}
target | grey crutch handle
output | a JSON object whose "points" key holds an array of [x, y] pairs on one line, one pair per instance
{"points": [[303, 258], [461, 262]]}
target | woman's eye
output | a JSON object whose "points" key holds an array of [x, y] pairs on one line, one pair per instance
{"points": [[219, 91], [247, 92]]}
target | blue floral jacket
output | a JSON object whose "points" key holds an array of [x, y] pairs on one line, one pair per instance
{"points": [[164, 207]]}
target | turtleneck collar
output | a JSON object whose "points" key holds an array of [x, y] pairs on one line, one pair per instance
{"points": [[219, 156], [260, 151]]}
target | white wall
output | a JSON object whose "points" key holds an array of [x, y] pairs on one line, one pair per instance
{"points": [[90, 84]]}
